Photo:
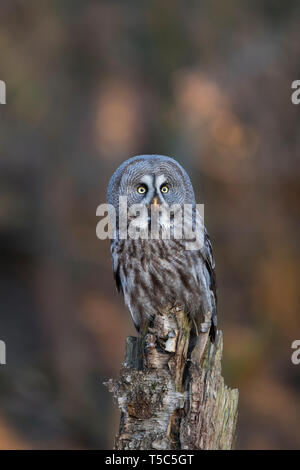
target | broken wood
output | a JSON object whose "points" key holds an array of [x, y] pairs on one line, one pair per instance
{"points": [[171, 391]]}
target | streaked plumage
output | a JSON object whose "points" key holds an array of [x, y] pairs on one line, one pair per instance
{"points": [[153, 274]]}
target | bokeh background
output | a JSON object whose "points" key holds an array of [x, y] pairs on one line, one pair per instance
{"points": [[89, 84]]}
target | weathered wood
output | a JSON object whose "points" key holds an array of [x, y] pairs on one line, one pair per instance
{"points": [[170, 390]]}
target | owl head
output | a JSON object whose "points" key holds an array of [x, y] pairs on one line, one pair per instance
{"points": [[150, 179]]}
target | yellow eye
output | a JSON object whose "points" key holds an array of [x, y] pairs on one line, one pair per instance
{"points": [[164, 189], [141, 189]]}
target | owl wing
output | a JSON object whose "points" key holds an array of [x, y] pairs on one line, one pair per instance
{"points": [[116, 265], [208, 258], [120, 273]]}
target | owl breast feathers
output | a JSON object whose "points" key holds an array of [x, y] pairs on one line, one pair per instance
{"points": [[156, 273]]}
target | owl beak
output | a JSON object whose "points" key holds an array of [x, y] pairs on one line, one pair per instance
{"points": [[155, 202]]}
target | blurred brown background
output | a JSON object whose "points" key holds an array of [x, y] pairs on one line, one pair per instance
{"points": [[90, 84]]}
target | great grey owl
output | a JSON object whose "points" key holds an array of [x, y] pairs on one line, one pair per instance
{"points": [[156, 273]]}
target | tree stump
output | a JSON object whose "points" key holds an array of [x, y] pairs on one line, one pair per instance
{"points": [[170, 390]]}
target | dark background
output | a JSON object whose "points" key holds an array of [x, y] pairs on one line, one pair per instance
{"points": [[89, 84]]}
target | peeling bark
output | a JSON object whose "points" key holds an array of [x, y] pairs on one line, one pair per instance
{"points": [[170, 390]]}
